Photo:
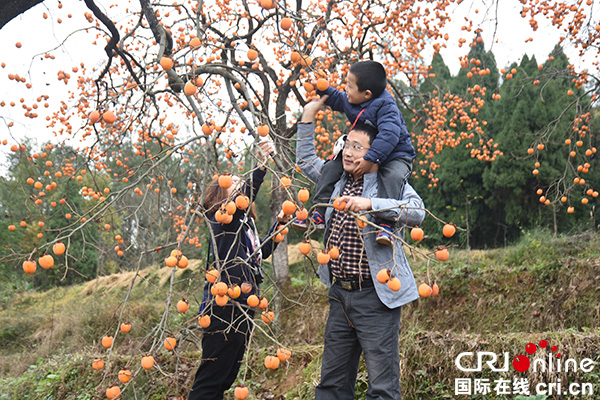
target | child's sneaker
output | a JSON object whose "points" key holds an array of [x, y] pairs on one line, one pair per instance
{"points": [[385, 236], [300, 224], [318, 221]]}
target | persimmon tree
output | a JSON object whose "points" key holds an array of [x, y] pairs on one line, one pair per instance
{"points": [[187, 89]]}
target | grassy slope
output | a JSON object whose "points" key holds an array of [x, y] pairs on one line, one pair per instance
{"points": [[495, 300]]}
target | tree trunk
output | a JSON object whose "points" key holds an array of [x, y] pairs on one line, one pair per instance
{"points": [[12, 8], [281, 268]]}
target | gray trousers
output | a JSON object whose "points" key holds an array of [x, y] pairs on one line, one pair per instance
{"points": [[374, 332]]}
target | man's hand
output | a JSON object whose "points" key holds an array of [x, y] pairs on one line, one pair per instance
{"points": [[311, 108], [362, 166], [356, 204]]}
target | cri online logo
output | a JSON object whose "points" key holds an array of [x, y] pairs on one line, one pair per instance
{"points": [[522, 363]]}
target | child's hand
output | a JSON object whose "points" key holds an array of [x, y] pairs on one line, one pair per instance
{"points": [[362, 166]]}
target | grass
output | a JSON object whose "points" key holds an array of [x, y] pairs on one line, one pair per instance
{"points": [[494, 300]]}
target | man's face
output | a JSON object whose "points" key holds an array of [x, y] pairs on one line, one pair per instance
{"points": [[354, 95], [357, 145]]}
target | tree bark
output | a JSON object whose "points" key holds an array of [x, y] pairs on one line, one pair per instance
{"points": [[281, 270], [13, 8]]}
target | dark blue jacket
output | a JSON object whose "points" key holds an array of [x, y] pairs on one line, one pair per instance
{"points": [[393, 139], [233, 250]]}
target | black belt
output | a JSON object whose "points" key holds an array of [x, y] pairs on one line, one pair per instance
{"points": [[353, 284]]}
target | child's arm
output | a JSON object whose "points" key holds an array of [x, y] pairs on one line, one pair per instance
{"points": [[338, 101], [390, 129]]}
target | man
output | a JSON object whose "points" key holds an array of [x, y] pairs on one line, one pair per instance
{"points": [[364, 315]]}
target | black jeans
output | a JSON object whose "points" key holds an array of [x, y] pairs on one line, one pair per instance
{"points": [[223, 346], [359, 322], [391, 178]]}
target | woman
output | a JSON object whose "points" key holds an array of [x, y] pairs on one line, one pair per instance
{"points": [[238, 253]]}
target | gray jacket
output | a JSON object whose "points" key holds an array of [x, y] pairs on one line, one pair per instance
{"points": [[408, 211]]}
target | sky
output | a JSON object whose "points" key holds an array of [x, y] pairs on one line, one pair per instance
{"points": [[506, 39]]}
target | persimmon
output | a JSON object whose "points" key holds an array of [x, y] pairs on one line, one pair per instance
{"points": [[183, 305], [222, 217], [303, 195], [124, 375], [288, 207], [295, 56], [220, 288], [442, 254], [230, 207], [242, 202], [252, 54], [263, 303], [271, 362], [166, 63], [246, 287], [425, 290], [416, 234], [125, 327], [304, 247], [241, 392], [98, 364], [190, 89], [171, 261], [147, 362], [170, 343], [334, 253], [267, 316], [286, 23], [323, 258], [212, 275], [448, 230], [225, 181], [302, 214], [46, 261], [107, 341], [435, 289], [234, 291], [284, 354], [339, 204], [94, 117], [286, 182], [109, 117], [221, 300], [394, 284], [29, 266], [11, 228], [262, 130], [195, 43], [204, 321], [253, 300], [183, 262], [112, 392], [322, 84], [383, 276], [361, 222]]}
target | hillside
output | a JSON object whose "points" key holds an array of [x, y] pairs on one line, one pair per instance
{"points": [[494, 300]]}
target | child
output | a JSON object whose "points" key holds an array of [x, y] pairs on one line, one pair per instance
{"points": [[367, 100]]}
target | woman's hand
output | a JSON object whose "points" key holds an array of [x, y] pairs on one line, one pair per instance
{"points": [[265, 148], [283, 218]]}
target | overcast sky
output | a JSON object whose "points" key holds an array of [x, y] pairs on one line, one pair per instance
{"points": [[38, 35]]}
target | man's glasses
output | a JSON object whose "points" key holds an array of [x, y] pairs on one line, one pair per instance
{"points": [[354, 147]]}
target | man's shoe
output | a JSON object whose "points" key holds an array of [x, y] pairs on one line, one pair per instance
{"points": [[318, 221], [300, 224], [385, 236]]}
